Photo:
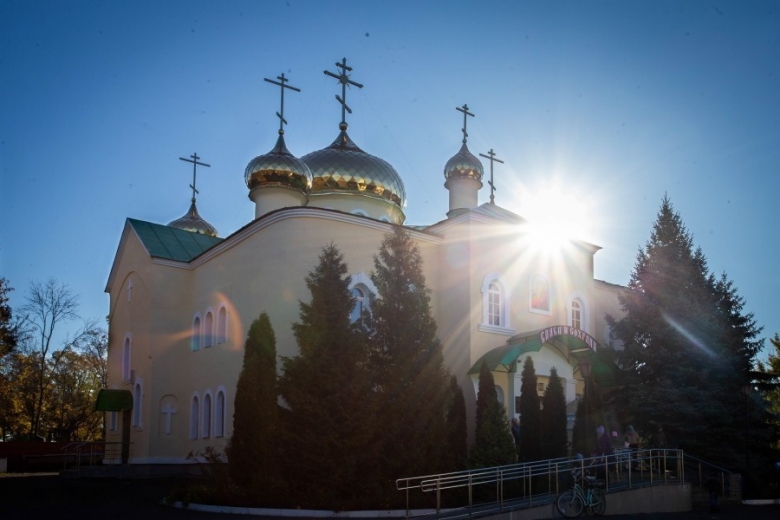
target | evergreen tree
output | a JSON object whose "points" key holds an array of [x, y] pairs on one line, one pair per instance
{"points": [[327, 388], [8, 330], [493, 444], [580, 439], [412, 383], [688, 347], [457, 429], [530, 427], [554, 439], [254, 451]]}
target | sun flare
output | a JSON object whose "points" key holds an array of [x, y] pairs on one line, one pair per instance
{"points": [[555, 215]]}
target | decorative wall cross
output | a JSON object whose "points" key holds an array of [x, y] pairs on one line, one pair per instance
{"points": [[343, 78], [168, 410]]}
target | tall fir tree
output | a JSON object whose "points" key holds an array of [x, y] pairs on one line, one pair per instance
{"points": [[554, 438], [688, 347], [457, 429], [493, 443], [530, 427], [412, 383], [254, 452], [327, 388]]}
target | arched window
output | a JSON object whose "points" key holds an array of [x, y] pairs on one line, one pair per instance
{"points": [[577, 312], [194, 414], [208, 330], [500, 394], [222, 325], [219, 415], [126, 359], [359, 296], [361, 288], [195, 337], [495, 305], [207, 415], [137, 396]]}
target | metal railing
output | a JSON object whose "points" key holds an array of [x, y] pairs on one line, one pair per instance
{"points": [[536, 483]]}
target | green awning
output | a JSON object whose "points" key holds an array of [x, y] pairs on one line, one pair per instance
{"points": [[573, 344], [114, 400]]}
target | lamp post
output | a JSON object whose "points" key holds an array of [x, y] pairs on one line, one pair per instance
{"points": [[585, 368], [747, 389]]}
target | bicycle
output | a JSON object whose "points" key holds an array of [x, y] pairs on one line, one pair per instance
{"points": [[573, 502]]}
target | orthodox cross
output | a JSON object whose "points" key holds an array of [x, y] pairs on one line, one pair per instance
{"points": [[168, 411], [195, 165], [281, 83], [465, 110], [491, 156], [345, 81]]}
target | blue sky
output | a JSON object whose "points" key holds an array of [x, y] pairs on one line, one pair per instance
{"points": [[607, 105]]}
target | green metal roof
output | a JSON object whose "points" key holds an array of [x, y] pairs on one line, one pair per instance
{"points": [[573, 344], [114, 400], [172, 243]]}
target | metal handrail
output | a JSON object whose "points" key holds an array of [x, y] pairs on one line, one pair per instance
{"points": [[631, 468]]}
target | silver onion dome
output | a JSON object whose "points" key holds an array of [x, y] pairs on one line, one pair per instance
{"points": [[344, 167], [278, 168], [463, 165], [194, 223]]}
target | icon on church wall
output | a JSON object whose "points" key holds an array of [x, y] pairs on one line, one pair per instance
{"points": [[540, 293]]}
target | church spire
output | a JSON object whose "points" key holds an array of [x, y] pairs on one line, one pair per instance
{"points": [[343, 78], [192, 221]]}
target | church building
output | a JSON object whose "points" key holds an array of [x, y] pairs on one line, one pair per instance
{"points": [[182, 298]]}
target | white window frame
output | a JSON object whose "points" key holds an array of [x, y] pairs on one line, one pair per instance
{"points": [[208, 328], [196, 331], [222, 324], [219, 412], [504, 305], [127, 357], [138, 398], [584, 311], [194, 415], [363, 283]]}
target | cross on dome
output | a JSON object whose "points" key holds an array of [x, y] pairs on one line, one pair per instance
{"points": [[343, 78], [281, 83], [195, 164], [491, 156], [465, 110]]}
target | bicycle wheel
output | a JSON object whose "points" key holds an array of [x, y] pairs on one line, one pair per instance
{"points": [[598, 502], [570, 504]]}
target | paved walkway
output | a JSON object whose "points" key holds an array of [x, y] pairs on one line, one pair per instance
{"points": [[42, 497]]}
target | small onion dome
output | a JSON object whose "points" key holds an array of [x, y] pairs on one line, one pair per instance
{"points": [[278, 168], [463, 165], [193, 222], [343, 167]]}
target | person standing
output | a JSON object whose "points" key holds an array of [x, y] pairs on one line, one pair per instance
{"points": [[632, 443]]}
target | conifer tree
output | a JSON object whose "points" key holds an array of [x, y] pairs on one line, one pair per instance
{"points": [[688, 347], [580, 436], [530, 427], [412, 383], [554, 439], [327, 388], [493, 443], [457, 429], [254, 450]]}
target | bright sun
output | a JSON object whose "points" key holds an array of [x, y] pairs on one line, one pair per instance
{"points": [[555, 215]]}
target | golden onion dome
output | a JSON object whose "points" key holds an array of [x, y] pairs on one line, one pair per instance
{"points": [[344, 167], [194, 223], [463, 165], [278, 168]]}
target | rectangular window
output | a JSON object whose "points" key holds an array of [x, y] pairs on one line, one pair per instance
{"points": [[494, 307]]}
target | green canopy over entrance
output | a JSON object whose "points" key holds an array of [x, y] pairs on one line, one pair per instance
{"points": [[114, 400], [571, 343]]}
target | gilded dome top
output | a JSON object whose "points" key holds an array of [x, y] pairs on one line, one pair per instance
{"points": [[344, 167], [463, 165], [194, 223], [278, 168]]}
